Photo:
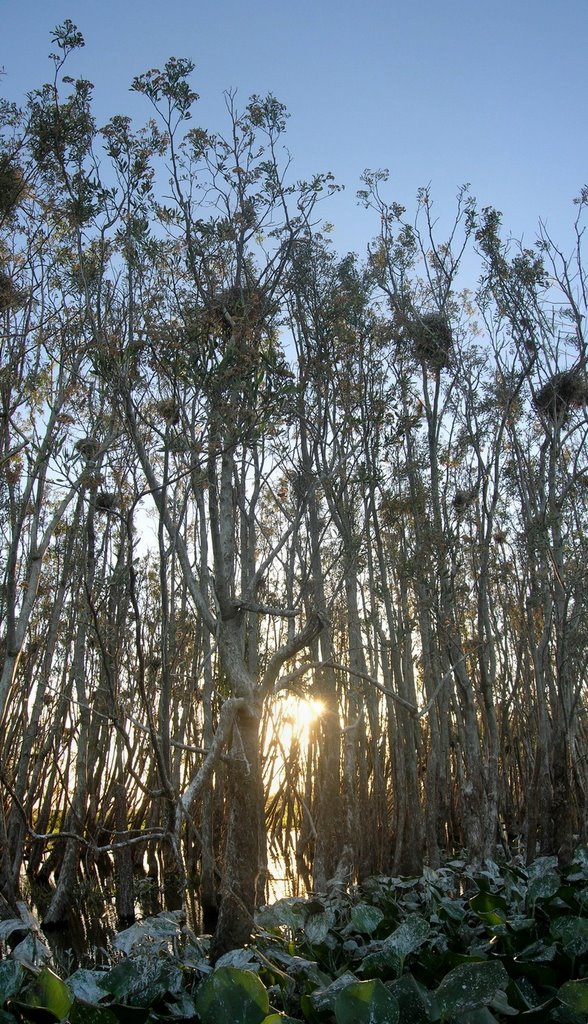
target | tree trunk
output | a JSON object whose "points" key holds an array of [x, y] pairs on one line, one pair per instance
{"points": [[239, 886]]}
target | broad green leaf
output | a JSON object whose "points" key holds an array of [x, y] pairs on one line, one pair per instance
{"points": [[180, 1005], [389, 959], [409, 935], [520, 922], [581, 860], [81, 1013], [453, 909], [537, 952], [317, 926], [11, 979], [31, 952], [523, 993], [501, 1004], [541, 975], [194, 954], [232, 996], [46, 992], [414, 1002], [544, 880], [7, 928], [543, 887], [153, 929], [87, 985], [384, 962], [238, 958], [491, 869], [298, 967], [572, 932], [542, 866], [490, 907], [575, 995], [280, 1018], [470, 986], [142, 980], [365, 919], [366, 1002], [323, 1000], [288, 913]]}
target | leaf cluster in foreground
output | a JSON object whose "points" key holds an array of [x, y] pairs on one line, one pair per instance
{"points": [[457, 945]]}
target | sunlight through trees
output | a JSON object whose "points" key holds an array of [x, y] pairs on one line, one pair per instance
{"points": [[294, 543]]}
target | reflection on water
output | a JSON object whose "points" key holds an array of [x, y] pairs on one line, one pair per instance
{"points": [[287, 875], [85, 939]]}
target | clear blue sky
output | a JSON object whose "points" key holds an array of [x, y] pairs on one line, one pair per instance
{"points": [[492, 93]]}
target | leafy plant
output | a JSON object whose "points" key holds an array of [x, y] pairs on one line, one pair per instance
{"points": [[456, 946]]}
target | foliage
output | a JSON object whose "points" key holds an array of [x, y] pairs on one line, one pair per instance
{"points": [[458, 945]]}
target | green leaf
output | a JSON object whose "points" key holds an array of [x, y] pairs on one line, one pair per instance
{"points": [[8, 927], [409, 935], [581, 860], [280, 1018], [87, 985], [143, 980], [31, 951], [160, 928], [238, 958], [81, 1013], [575, 995], [470, 986], [317, 926], [454, 909], [541, 975], [544, 880], [523, 993], [323, 1000], [48, 993], [414, 1002], [543, 887], [391, 956], [572, 932], [11, 978], [537, 952], [365, 919], [490, 907], [366, 1002], [384, 962], [542, 866], [288, 913], [502, 1006], [181, 1005], [232, 996]]}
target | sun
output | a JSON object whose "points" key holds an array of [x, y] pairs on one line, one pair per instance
{"points": [[292, 718], [307, 711]]}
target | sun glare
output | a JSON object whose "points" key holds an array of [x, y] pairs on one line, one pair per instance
{"points": [[307, 711], [292, 720]]}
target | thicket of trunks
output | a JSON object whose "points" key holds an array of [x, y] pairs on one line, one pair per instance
{"points": [[236, 466]]}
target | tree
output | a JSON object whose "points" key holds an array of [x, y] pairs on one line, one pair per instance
{"points": [[235, 464]]}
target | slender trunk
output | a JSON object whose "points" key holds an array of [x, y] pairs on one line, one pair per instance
{"points": [[123, 859], [239, 888]]}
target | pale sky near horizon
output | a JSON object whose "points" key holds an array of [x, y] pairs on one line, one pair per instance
{"points": [[492, 93]]}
